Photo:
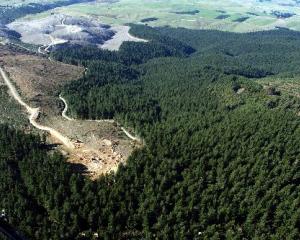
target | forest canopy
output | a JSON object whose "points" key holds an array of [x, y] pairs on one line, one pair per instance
{"points": [[221, 153]]}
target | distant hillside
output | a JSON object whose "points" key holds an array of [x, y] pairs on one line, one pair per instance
{"points": [[9, 13], [245, 16], [62, 29]]}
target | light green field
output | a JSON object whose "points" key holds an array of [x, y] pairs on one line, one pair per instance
{"points": [[23, 2], [133, 11]]}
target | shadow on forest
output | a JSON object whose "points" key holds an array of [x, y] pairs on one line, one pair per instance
{"points": [[77, 167], [48, 146]]}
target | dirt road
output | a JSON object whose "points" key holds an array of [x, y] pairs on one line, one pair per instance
{"points": [[64, 112], [64, 115], [130, 136], [34, 113]]}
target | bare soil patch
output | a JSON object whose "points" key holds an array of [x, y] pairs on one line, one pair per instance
{"points": [[35, 75], [99, 146], [121, 35], [58, 29]]}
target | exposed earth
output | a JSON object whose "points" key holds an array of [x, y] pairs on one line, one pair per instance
{"points": [[121, 35], [59, 28], [94, 147]]}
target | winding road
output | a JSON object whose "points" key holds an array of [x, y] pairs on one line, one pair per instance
{"points": [[64, 112], [130, 136], [34, 113], [65, 116], [54, 41]]}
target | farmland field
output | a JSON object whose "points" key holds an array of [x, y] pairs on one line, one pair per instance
{"points": [[23, 2], [241, 16]]}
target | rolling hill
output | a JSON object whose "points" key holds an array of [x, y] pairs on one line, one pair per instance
{"points": [[216, 113]]}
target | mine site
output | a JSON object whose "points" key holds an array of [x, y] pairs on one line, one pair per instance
{"points": [[59, 30]]}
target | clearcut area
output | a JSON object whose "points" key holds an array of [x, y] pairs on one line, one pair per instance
{"points": [[62, 29], [93, 147]]}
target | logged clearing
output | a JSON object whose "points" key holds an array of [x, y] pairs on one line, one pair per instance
{"points": [[98, 147], [62, 29], [56, 29], [11, 111], [36, 75], [121, 35]]}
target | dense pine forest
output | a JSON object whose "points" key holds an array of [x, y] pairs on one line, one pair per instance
{"points": [[221, 154]]}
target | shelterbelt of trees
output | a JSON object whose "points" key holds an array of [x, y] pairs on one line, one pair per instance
{"points": [[221, 159]]}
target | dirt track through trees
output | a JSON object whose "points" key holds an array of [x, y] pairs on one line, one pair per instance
{"points": [[65, 116], [34, 113]]}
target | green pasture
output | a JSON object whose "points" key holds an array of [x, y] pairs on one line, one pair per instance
{"points": [[23, 2], [133, 11]]}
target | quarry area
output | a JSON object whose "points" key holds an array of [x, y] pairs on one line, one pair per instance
{"points": [[121, 35], [94, 147], [59, 30]]}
